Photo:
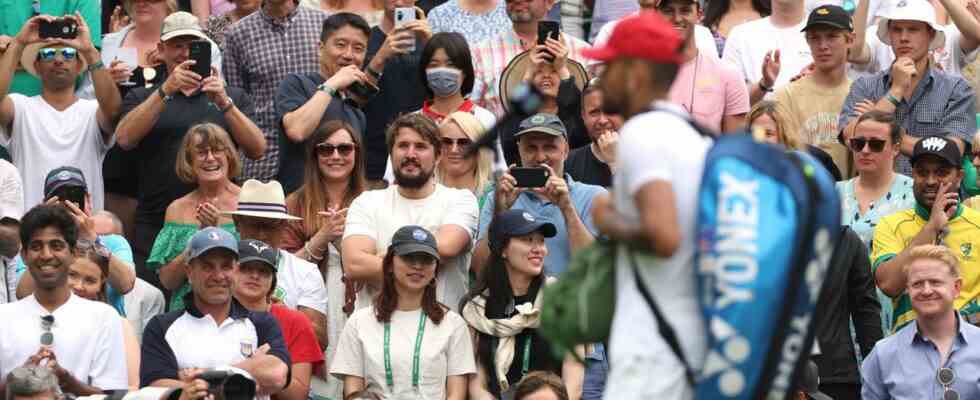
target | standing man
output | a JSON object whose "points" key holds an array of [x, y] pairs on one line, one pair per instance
{"points": [[651, 203], [156, 119], [595, 164], [814, 101], [937, 354], [260, 51]]}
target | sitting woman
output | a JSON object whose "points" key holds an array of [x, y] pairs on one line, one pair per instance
{"points": [[769, 122], [503, 310], [446, 68], [455, 168], [208, 158], [88, 277], [407, 345]]}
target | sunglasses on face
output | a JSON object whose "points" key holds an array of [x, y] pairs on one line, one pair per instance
{"points": [[945, 377], [449, 142], [48, 53], [327, 150], [876, 145]]}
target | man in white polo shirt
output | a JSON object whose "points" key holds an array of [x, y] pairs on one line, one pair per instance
{"points": [[80, 340], [214, 331]]}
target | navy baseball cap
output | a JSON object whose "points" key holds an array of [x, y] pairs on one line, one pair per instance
{"points": [[414, 239], [211, 238], [938, 146], [63, 177], [512, 223], [257, 250]]}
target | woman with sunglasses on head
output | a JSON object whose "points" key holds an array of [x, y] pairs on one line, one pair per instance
{"points": [[88, 277], [209, 159], [455, 168], [408, 345], [332, 179], [503, 310]]}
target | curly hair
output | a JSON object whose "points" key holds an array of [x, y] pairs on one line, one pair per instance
{"points": [[387, 301]]}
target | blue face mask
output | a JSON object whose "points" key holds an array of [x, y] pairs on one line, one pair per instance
{"points": [[444, 81]]}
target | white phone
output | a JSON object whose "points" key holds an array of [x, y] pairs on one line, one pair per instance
{"points": [[404, 15]]}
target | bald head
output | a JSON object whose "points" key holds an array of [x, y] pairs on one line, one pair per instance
{"points": [[107, 223]]}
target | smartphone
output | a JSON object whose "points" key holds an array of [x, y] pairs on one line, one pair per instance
{"points": [[548, 29], [404, 15], [363, 90], [200, 52], [529, 177], [73, 194], [61, 28]]}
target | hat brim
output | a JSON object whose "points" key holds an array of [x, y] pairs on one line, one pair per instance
{"points": [[258, 259], [937, 41], [955, 163], [263, 214], [183, 32], [546, 228], [828, 24], [210, 248], [540, 129], [412, 248], [601, 53], [29, 56], [513, 76]]}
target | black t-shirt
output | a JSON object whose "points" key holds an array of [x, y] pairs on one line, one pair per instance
{"points": [[584, 167], [402, 92], [156, 154], [294, 91]]}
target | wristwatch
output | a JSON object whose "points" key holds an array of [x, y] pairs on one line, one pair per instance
{"points": [[373, 73], [163, 95], [327, 89], [231, 103], [763, 87]]}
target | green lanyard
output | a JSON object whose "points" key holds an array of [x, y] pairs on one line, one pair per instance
{"points": [[526, 364], [389, 376]]}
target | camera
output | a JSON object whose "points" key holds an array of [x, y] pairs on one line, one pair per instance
{"points": [[228, 385]]}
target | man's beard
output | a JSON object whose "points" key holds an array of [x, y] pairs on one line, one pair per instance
{"points": [[413, 182]]}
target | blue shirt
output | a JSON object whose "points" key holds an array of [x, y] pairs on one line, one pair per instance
{"points": [[904, 366], [559, 249]]}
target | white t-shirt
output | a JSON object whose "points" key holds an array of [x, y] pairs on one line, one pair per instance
{"points": [[671, 281], [748, 44], [703, 39], [379, 213], [42, 139], [299, 283], [951, 57], [447, 350], [88, 339]]}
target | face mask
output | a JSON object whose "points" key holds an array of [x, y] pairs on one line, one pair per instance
{"points": [[444, 82]]}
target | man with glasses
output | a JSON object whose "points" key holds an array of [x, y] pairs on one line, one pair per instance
{"points": [[937, 357], [80, 340], [43, 131], [155, 120], [938, 217]]}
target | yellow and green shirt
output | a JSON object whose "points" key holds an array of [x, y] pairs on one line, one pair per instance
{"points": [[894, 233]]}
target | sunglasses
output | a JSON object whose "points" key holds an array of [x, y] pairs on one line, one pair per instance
{"points": [[449, 142], [48, 53], [47, 338], [876, 145], [326, 150], [946, 376]]}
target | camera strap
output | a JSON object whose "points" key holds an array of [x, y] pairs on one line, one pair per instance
{"points": [[389, 375]]}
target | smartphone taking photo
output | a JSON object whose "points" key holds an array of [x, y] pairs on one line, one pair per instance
{"points": [[200, 52], [404, 15], [548, 29], [530, 177]]}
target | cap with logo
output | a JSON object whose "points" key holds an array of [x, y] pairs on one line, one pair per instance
{"points": [[63, 177], [647, 35], [543, 123], [257, 250], [829, 15], [516, 222], [937, 146], [181, 23], [411, 239], [208, 239], [912, 10]]}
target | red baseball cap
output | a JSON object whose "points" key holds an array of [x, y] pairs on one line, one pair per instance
{"points": [[646, 35]]}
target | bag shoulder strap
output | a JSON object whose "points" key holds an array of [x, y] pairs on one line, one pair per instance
{"points": [[687, 118], [666, 330]]}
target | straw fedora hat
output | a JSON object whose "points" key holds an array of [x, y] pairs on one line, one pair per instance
{"points": [[263, 200], [29, 55], [513, 75]]}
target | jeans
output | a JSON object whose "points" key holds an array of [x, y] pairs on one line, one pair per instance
{"points": [[596, 370]]}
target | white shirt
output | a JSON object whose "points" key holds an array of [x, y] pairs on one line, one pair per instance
{"points": [[703, 39], [748, 44], [88, 339], [447, 350], [299, 283], [951, 57], [42, 139], [377, 214], [671, 281]]}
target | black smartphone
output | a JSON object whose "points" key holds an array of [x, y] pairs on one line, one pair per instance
{"points": [[530, 177], [364, 90], [61, 28], [200, 52], [548, 29], [73, 194]]}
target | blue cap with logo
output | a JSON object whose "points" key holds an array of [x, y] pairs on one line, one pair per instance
{"points": [[257, 250], [62, 177], [414, 239], [515, 222], [211, 238]]}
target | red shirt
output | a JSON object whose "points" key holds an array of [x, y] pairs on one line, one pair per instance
{"points": [[298, 333]]}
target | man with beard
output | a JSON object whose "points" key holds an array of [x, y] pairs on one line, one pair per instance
{"points": [[937, 218], [215, 331], [305, 101], [80, 340], [415, 199]]}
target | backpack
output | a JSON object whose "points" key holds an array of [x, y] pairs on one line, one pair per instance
{"points": [[767, 225]]}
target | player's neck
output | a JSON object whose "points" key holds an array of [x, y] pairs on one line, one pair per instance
{"points": [[52, 299]]}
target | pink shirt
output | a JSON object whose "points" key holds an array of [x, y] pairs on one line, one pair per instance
{"points": [[713, 88]]}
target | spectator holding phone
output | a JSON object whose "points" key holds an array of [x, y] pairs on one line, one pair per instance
{"points": [[306, 101], [155, 121], [44, 130]]}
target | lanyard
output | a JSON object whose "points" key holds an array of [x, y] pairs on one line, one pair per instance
{"points": [[389, 376], [526, 363]]}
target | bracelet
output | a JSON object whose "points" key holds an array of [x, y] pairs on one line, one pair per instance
{"points": [[328, 89], [306, 247], [372, 72], [163, 95], [228, 107], [95, 66], [892, 99], [763, 87]]}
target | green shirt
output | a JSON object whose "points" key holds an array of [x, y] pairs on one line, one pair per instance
{"points": [[16, 12]]}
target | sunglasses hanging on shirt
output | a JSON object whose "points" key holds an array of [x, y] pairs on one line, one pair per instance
{"points": [[946, 377], [47, 338]]}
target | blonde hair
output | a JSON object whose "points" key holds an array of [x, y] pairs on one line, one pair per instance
{"points": [[937, 253], [215, 137], [475, 130], [788, 136]]}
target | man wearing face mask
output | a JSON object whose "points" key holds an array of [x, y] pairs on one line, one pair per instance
{"points": [[305, 101]]}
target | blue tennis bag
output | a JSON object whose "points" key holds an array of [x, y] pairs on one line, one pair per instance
{"points": [[767, 224]]}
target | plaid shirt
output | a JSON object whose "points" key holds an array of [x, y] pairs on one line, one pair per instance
{"points": [[259, 51], [941, 104], [492, 56]]}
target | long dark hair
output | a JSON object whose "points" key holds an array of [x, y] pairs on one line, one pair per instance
{"points": [[387, 301], [715, 9], [495, 280], [458, 52]]}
